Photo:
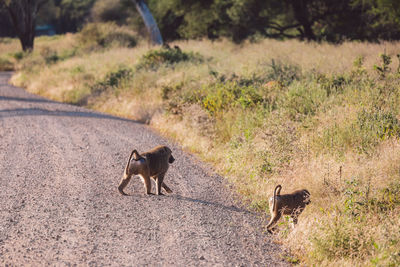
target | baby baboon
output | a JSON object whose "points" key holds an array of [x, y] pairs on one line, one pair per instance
{"points": [[153, 163], [290, 204]]}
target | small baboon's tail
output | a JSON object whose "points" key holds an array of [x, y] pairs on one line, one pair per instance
{"points": [[129, 160], [277, 192]]}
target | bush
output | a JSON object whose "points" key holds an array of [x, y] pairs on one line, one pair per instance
{"points": [[112, 80], [154, 59], [220, 96], [19, 55], [303, 100], [361, 134], [49, 55], [6, 65], [284, 73], [106, 35], [376, 126]]}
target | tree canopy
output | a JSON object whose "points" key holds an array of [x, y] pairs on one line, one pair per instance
{"points": [[330, 20]]}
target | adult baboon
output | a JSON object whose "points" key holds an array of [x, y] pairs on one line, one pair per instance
{"points": [[152, 164]]}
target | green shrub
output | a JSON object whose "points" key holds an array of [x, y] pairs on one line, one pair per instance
{"points": [[376, 126], [6, 65], [363, 134], [303, 100], [343, 232], [77, 96], [112, 80], [383, 69], [68, 53], [49, 55], [220, 96], [284, 73], [19, 55], [106, 35], [334, 84], [156, 58]]}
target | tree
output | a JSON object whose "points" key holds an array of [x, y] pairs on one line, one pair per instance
{"points": [[23, 15], [73, 14], [149, 21]]}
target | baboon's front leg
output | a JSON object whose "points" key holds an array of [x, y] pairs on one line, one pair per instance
{"points": [[124, 182], [146, 183], [159, 182]]}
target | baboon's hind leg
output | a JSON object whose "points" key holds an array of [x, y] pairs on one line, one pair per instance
{"points": [[124, 182], [294, 220], [272, 222], [166, 188]]}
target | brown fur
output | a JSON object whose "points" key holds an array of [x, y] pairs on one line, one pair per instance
{"points": [[289, 204], [152, 164]]}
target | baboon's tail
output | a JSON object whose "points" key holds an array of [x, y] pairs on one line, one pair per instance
{"points": [[129, 161], [277, 192]]}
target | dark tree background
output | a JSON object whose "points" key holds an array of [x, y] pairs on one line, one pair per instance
{"points": [[23, 15], [329, 20]]}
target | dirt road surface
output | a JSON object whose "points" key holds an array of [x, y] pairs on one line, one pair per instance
{"points": [[59, 171]]}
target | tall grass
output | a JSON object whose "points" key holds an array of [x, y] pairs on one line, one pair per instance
{"points": [[305, 115]]}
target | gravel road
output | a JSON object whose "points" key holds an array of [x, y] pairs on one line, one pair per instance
{"points": [[59, 172]]}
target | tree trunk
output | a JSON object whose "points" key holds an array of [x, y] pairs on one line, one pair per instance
{"points": [[149, 21], [303, 17], [23, 16]]}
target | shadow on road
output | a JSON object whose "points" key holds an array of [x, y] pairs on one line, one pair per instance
{"points": [[207, 203], [37, 100], [197, 201], [61, 113]]}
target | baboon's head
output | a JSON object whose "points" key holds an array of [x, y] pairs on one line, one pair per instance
{"points": [[306, 197], [171, 159]]}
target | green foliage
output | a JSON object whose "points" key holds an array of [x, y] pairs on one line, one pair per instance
{"points": [[368, 130], [302, 100], [72, 14], [340, 240], [343, 236], [50, 56], [312, 20], [237, 20], [6, 65], [108, 11], [156, 58], [384, 68], [19, 55], [220, 96], [78, 96], [284, 73], [334, 84], [112, 80], [106, 35], [376, 126]]}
